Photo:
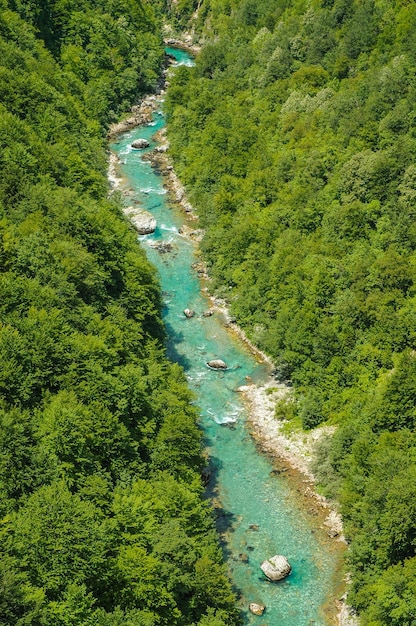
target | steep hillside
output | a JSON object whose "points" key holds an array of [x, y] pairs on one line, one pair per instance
{"points": [[102, 520], [295, 137]]}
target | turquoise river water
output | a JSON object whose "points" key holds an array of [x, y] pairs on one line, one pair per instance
{"points": [[249, 494]]}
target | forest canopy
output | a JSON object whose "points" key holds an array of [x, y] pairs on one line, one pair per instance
{"points": [[295, 137], [102, 517]]}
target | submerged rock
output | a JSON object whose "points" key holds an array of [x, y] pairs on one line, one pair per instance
{"points": [[217, 364], [140, 144], [276, 568], [162, 246], [256, 609], [228, 424]]}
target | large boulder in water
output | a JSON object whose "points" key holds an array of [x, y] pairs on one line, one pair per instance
{"points": [[142, 220], [276, 568], [217, 364], [140, 144]]}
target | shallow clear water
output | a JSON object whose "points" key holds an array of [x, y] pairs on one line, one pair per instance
{"points": [[247, 492]]}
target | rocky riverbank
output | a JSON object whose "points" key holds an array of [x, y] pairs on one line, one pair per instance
{"points": [[160, 160], [186, 43], [295, 452], [140, 115]]}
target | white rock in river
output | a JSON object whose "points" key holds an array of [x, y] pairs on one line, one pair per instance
{"points": [[276, 568], [217, 364], [139, 144], [142, 220], [256, 609], [188, 312]]}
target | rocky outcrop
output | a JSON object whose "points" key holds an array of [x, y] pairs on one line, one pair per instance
{"points": [[276, 568], [140, 144], [217, 364], [256, 609], [161, 149], [193, 233], [189, 313], [141, 114], [186, 43], [142, 220]]}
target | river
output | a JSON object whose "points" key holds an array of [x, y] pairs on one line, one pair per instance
{"points": [[258, 512]]}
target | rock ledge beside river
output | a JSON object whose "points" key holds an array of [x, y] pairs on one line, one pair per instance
{"points": [[140, 115]]}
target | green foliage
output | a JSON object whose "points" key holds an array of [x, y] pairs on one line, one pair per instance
{"points": [[295, 137], [392, 598], [180, 14], [74, 548]]}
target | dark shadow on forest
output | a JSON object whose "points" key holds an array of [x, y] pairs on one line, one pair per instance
{"points": [[174, 338]]}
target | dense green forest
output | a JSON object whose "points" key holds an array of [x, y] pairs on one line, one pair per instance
{"points": [[295, 135], [102, 519]]}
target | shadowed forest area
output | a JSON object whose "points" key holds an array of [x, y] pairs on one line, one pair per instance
{"points": [[295, 137]]}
